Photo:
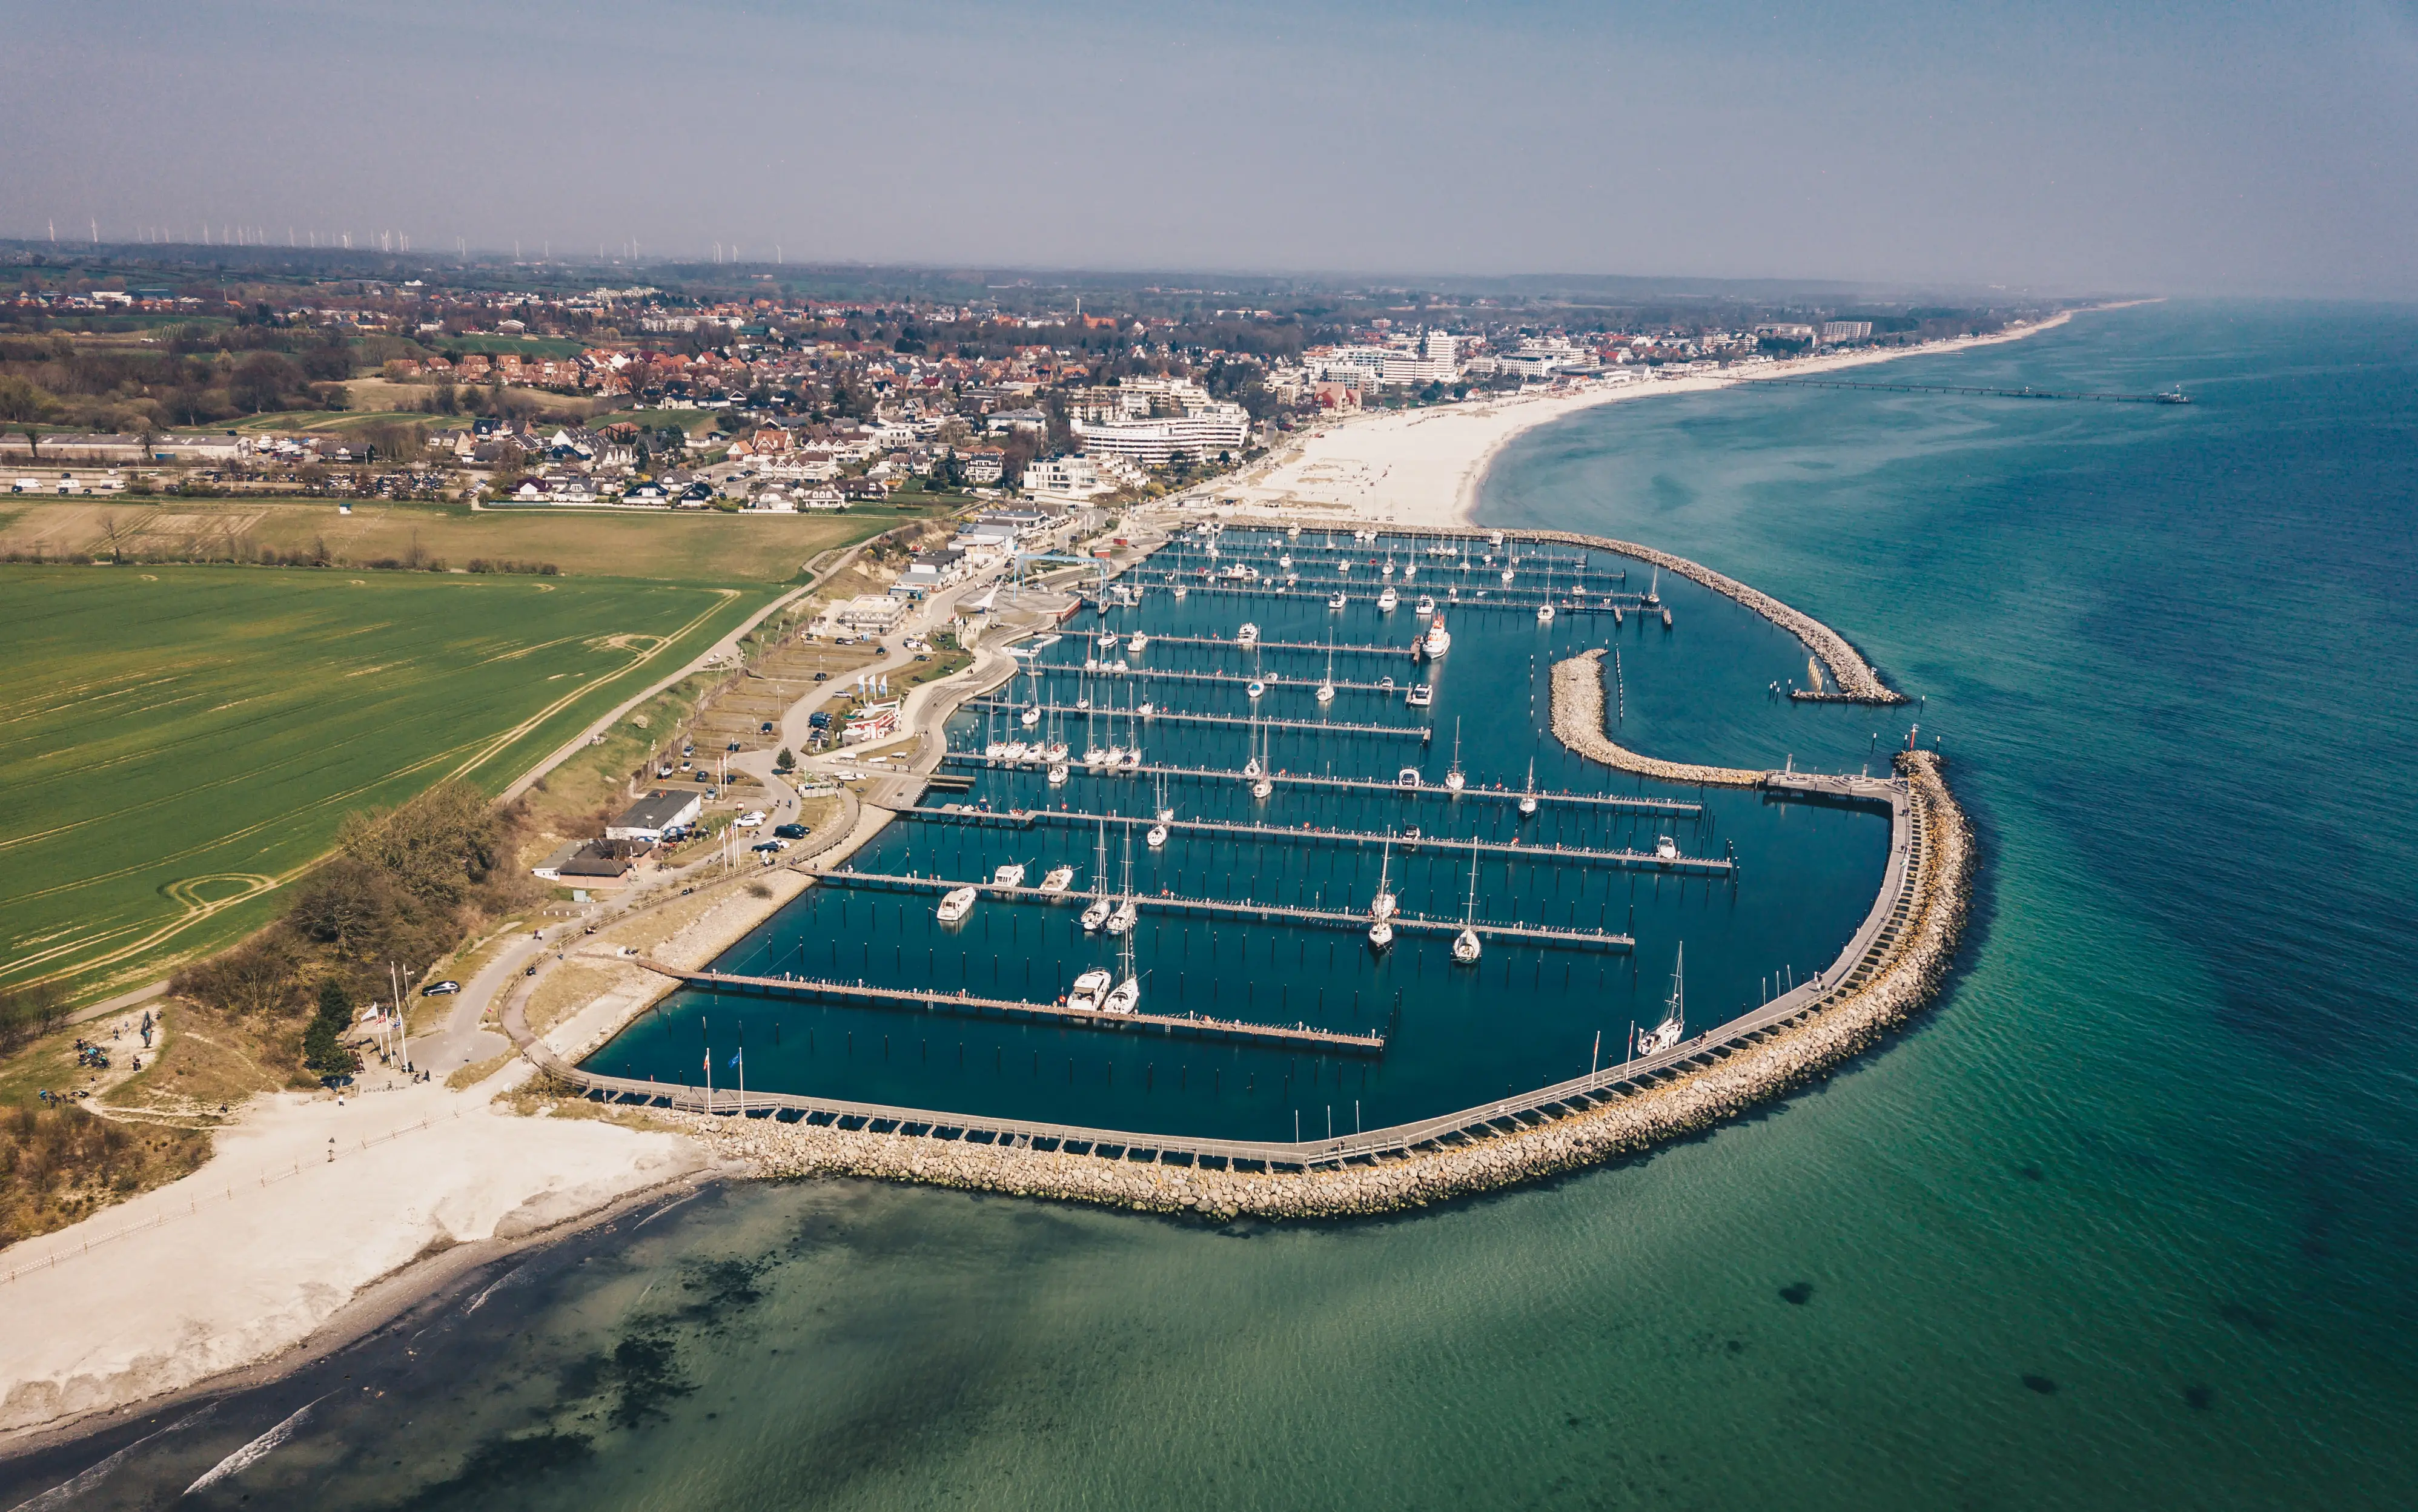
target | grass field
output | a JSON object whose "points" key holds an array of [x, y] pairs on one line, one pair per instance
{"points": [[181, 741], [690, 546]]}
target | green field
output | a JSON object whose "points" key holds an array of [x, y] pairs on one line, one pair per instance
{"points": [[181, 741]]}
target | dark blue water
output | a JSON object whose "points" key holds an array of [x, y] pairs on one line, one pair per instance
{"points": [[2128, 1221], [1527, 1015]]}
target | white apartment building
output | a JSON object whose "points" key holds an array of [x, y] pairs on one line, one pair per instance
{"points": [[1846, 330], [1431, 359], [1064, 477], [1202, 435]]}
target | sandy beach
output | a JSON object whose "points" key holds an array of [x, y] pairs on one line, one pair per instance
{"points": [[1425, 467]]}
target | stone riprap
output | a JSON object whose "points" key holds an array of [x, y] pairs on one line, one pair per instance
{"points": [[1578, 723], [1737, 1077]]}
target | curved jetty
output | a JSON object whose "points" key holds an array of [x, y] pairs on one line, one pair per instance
{"points": [[1887, 972]]}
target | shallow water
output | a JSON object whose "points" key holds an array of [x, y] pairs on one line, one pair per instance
{"points": [[2125, 1222]]}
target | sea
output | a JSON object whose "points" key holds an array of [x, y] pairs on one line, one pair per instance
{"points": [[2126, 1220]]}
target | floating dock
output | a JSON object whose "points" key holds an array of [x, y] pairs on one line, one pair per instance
{"points": [[959, 1002], [1617, 801], [1263, 912], [1322, 726], [1360, 839]]}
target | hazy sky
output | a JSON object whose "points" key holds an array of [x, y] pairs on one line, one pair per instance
{"points": [[2238, 147]]}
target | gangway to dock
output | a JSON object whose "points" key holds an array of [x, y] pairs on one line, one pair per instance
{"points": [[968, 1005], [1622, 802], [1324, 726], [1361, 839], [1283, 913]]}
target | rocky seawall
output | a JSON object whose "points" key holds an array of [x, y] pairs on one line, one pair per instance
{"points": [[1726, 1081], [1578, 723]]}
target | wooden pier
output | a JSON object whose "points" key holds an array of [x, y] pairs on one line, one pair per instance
{"points": [[1230, 679], [1332, 726], [1285, 914], [1494, 596], [1404, 651], [963, 1004], [1024, 818], [1621, 802]]}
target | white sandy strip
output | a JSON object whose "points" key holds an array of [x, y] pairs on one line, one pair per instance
{"points": [[1424, 467], [248, 1257]]}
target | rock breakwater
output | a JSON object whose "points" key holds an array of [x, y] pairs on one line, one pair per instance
{"points": [[1728, 1078]]}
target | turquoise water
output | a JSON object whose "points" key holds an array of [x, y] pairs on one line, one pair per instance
{"points": [[1527, 1015], [2127, 1221]]}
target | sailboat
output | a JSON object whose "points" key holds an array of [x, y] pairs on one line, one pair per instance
{"points": [[1130, 762], [1465, 947], [1529, 794], [1383, 904], [1126, 994], [1545, 610], [1031, 714], [1326, 687], [1654, 589], [1453, 778], [1096, 913], [1667, 1033], [1263, 785], [1121, 920], [1251, 767], [1158, 835]]}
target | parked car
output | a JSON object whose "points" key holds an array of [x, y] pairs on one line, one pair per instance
{"points": [[792, 832], [440, 989], [732, 746], [748, 820], [770, 845], [766, 728], [823, 677]]}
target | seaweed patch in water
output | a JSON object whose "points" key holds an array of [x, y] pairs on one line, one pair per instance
{"points": [[502, 1462], [2042, 1384], [721, 1285], [1796, 1294], [642, 1374]]}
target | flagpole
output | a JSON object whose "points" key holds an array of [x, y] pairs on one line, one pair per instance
{"points": [[709, 1078]]}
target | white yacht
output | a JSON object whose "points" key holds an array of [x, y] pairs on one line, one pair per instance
{"points": [[1426, 605], [1507, 577], [1248, 636], [1123, 919], [1494, 539], [1131, 762], [1285, 561], [1057, 881], [1293, 532], [1326, 686], [1383, 904], [1408, 778], [1381, 933], [1666, 848], [1095, 915], [1058, 772], [1529, 794], [1030, 716], [1147, 709], [1439, 639], [1108, 639], [1013, 751], [1388, 600], [1178, 592], [1667, 1033], [1421, 695], [1138, 643], [1338, 602], [1544, 614], [1088, 990], [956, 905], [1011, 875], [1158, 835], [1410, 570], [1387, 570], [1453, 777], [1124, 997], [1262, 787], [1465, 947], [1256, 688]]}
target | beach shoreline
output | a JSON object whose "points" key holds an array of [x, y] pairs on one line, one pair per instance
{"points": [[1428, 468]]}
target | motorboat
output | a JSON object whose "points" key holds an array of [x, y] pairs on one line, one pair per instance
{"points": [[1666, 848], [1146, 711], [1058, 775], [1248, 636], [1338, 602], [1095, 915], [1285, 563], [1494, 539], [1386, 684], [1090, 664], [1256, 688], [956, 905], [1388, 600], [1178, 592], [1421, 695], [1088, 991], [1507, 577], [1544, 614], [1408, 778], [1108, 639], [1057, 881], [1011, 875], [1293, 532], [1138, 643], [1426, 604], [1119, 668], [1439, 639]]}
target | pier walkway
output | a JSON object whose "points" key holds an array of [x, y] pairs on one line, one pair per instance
{"points": [[1619, 802], [964, 1003], [1987, 393], [1263, 912], [1324, 726], [1491, 597], [1231, 680], [1360, 839]]}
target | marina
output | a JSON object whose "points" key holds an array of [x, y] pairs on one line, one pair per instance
{"points": [[1335, 727], [1615, 802]]}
